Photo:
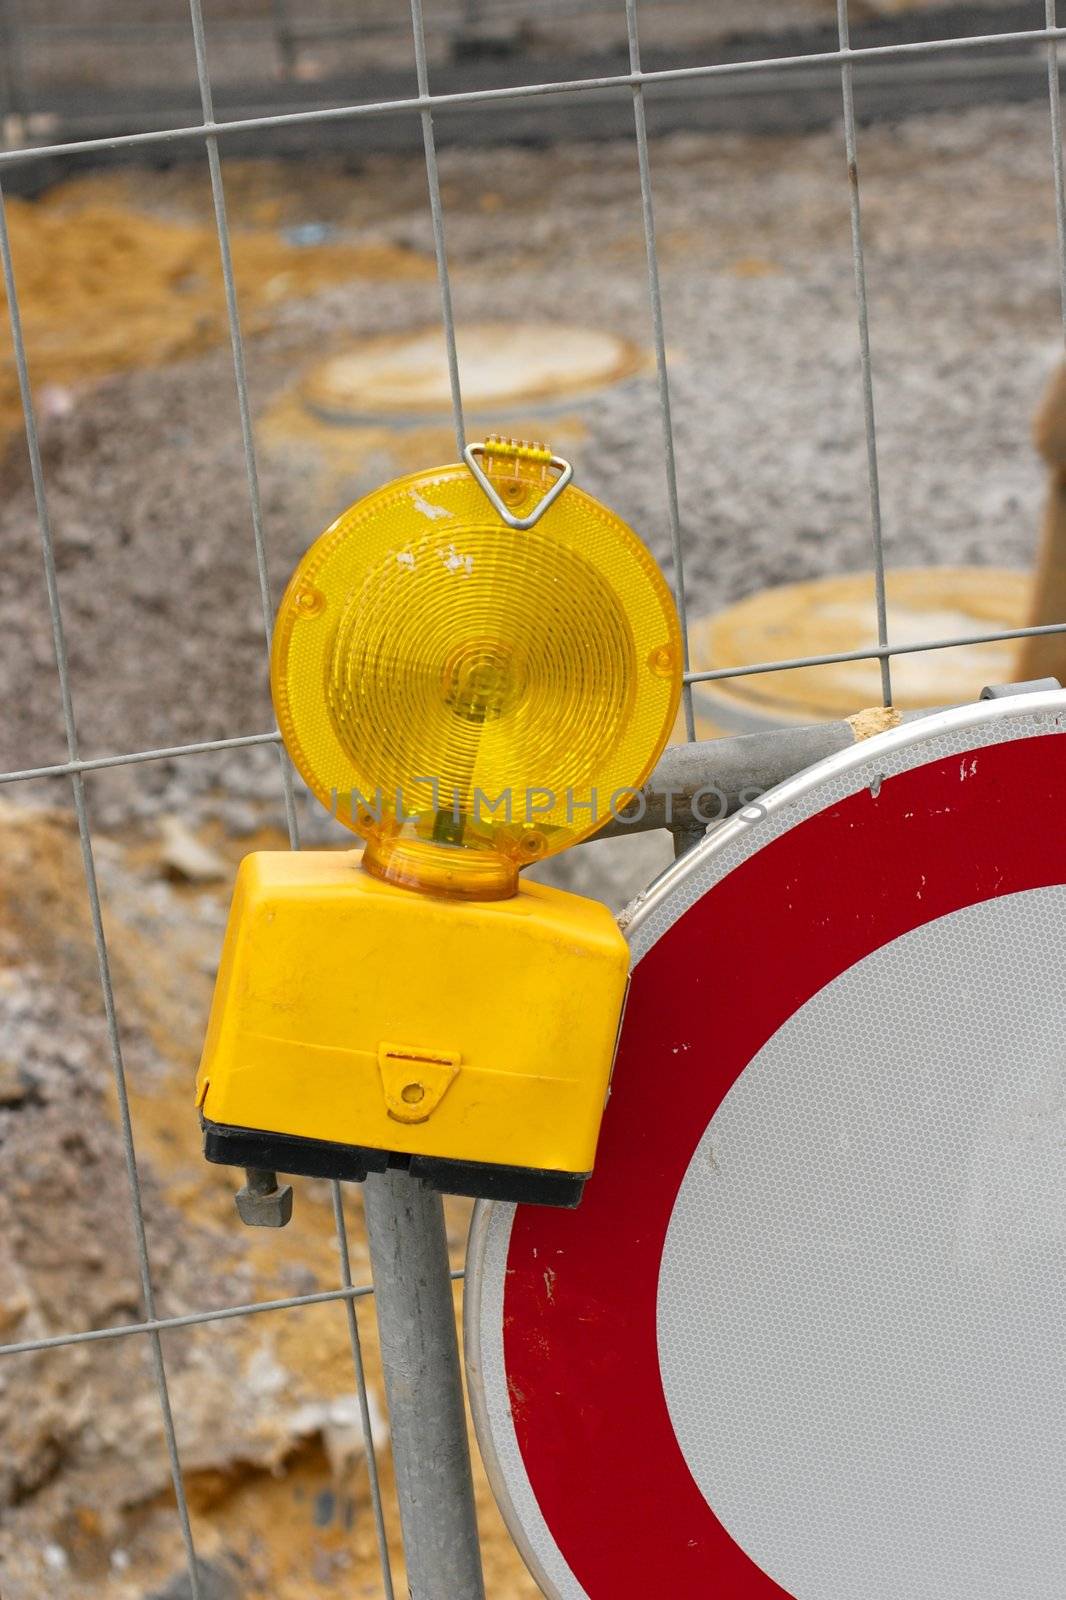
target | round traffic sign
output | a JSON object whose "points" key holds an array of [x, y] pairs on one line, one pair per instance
{"points": [[806, 1334]]}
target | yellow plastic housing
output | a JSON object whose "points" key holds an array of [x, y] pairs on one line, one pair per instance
{"points": [[467, 696], [351, 1011]]}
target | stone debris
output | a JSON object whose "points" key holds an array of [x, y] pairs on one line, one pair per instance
{"points": [[339, 1423], [185, 857], [213, 1583], [14, 1087], [873, 720]]}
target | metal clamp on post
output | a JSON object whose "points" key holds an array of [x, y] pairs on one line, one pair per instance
{"points": [[522, 455]]}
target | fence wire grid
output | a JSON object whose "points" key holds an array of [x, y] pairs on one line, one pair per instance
{"points": [[425, 105]]}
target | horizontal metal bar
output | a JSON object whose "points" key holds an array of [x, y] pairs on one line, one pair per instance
{"points": [[712, 675], [873, 653], [728, 772], [472, 97], [192, 1319], [725, 775], [101, 763]]}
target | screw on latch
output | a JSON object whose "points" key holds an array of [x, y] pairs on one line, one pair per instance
{"points": [[263, 1202]]}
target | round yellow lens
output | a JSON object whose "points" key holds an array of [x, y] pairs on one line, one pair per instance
{"points": [[468, 696]]}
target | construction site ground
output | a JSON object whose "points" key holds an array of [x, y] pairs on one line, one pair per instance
{"points": [[125, 320]]}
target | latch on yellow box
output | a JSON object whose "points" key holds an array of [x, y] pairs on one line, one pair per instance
{"points": [[415, 1081]]}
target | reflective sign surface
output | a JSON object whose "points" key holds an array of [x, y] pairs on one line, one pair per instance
{"points": [[805, 1336]]}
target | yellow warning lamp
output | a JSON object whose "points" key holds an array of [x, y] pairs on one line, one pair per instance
{"points": [[472, 669]]}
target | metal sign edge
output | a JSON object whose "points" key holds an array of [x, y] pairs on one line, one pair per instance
{"points": [[633, 921]]}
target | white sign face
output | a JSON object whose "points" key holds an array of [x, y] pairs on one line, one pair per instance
{"points": [[806, 1334]]}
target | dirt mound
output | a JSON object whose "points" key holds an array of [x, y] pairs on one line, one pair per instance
{"points": [[105, 289]]}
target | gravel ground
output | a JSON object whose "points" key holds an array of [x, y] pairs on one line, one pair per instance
{"points": [[145, 475]]}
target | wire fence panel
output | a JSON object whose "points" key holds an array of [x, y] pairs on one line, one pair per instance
{"points": [[765, 66], [210, 131], [92, 888]]}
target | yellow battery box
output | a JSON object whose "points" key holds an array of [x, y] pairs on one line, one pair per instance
{"points": [[358, 1025]]}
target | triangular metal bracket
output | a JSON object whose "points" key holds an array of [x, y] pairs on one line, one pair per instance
{"points": [[415, 1081], [564, 469]]}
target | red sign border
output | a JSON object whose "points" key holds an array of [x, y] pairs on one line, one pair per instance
{"points": [[937, 837]]}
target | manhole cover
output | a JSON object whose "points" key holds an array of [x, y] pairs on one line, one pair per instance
{"points": [[502, 366], [831, 615]]}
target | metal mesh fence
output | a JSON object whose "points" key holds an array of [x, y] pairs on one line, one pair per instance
{"points": [[210, 132]]}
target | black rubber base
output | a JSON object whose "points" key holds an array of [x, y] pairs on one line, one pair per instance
{"points": [[321, 1158]]}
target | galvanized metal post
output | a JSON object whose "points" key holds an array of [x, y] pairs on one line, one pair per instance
{"points": [[423, 1387]]}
